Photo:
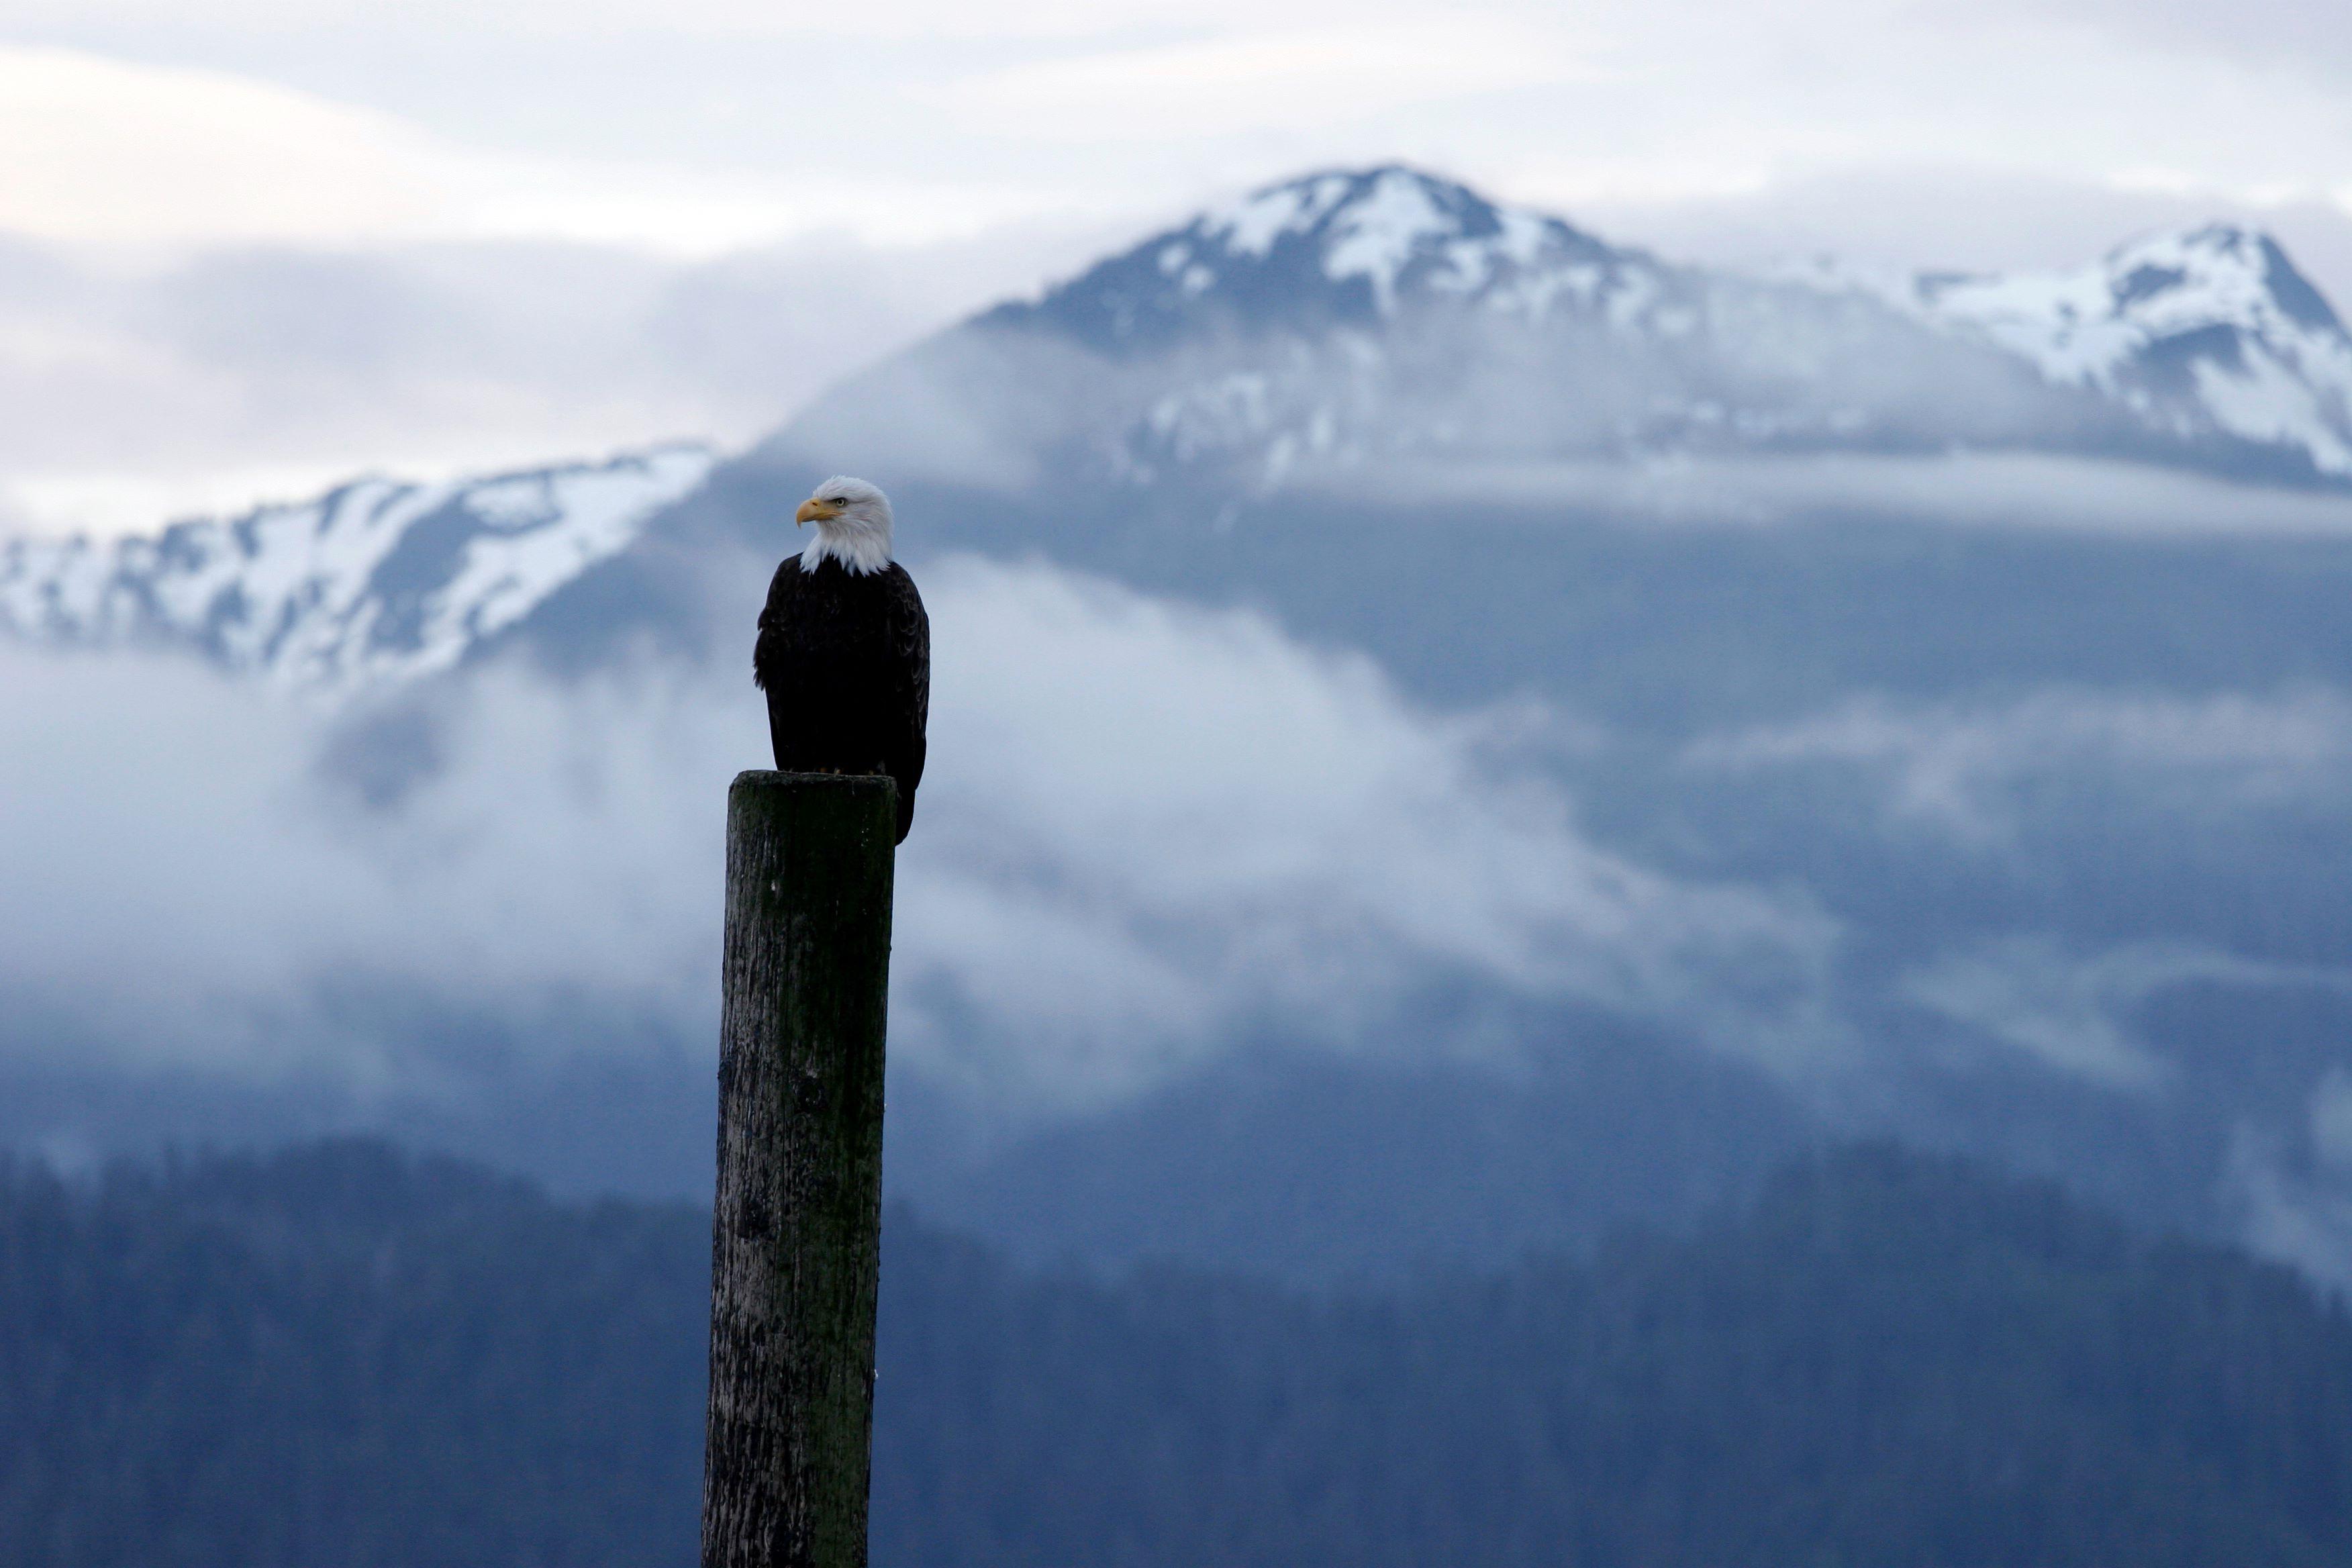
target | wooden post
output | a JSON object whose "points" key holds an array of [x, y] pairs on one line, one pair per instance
{"points": [[796, 1238]]}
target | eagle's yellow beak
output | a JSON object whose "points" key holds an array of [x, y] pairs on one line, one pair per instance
{"points": [[814, 511]]}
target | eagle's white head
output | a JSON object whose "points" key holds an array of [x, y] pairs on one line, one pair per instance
{"points": [[853, 525]]}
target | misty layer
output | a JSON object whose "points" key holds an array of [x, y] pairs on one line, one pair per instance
{"points": [[1154, 828]]}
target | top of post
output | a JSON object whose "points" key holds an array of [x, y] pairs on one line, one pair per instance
{"points": [[770, 779], [762, 801]]}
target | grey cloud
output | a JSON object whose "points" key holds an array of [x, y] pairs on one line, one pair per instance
{"points": [[1243, 826], [2308, 36], [1955, 768], [2331, 1120], [1928, 217], [2295, 1212], [2073, 1013], [2011, 490]]}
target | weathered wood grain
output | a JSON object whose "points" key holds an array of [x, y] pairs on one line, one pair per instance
{"points": [[795, 1240]]}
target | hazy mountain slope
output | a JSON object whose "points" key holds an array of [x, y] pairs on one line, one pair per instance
{"points": [[333, 1357], [1888, 1361], [336, 1357], [1319, 1171]]}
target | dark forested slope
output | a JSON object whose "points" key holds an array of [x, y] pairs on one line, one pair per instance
{"points": [[336, 1356]]}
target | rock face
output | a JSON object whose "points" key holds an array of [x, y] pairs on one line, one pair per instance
{"points": [[374, 583]]}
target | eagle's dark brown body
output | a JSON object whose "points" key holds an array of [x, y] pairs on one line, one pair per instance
{"points": [[845, 660]]}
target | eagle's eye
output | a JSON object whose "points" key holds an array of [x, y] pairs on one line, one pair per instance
{"points": [[837, 501]]}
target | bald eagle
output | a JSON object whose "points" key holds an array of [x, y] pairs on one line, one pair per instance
{"points": [[844, 648]]}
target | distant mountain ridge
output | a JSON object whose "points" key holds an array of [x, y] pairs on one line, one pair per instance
{"points": [[1318, 325], [1389, 314], [377, 582]]}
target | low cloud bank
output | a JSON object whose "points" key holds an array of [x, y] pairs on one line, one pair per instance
{"points": [[2145, 907], [1959, 770], [2020, 491], [2074, 1012], [1150, 825], [1149, 833]]}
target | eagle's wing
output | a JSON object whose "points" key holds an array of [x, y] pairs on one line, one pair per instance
{"points": [[768, 652], [907, 629]]}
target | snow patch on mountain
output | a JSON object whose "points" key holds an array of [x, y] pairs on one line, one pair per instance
{"points": [[375, 583], [1250, 227], [1384, 230], [1375, 225]]}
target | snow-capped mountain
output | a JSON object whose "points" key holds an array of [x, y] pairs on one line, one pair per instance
{"points": [[1323, 323], [1387, 313], [374, 583], [2208, 334]]}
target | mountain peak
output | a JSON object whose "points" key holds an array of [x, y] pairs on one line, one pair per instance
{"points": [[1333, 244], [2157, 286], [2244, 268], [1369, 225], [1390, 208], [2204, 332]]}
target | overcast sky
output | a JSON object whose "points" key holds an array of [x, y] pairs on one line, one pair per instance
{"points": [[986, 147], [699, 125]]}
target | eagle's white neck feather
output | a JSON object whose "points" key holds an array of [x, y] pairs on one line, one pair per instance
{"points": [[857, 544]]}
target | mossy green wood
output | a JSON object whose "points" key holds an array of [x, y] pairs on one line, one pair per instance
{"points": [[795, 1239]]}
